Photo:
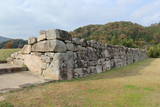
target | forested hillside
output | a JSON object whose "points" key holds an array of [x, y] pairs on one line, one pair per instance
{"points": [[13, 43], [121, 33], [3, 39]]}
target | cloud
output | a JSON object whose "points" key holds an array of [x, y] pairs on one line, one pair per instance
{"points": [[24, 18], [125, 2], [148, 13]]}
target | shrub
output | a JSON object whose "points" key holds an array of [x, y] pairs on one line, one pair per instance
{"points": [[154, 51]]}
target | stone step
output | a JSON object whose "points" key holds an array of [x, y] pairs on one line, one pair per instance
{"points": [[19, 80], [10, 68]]}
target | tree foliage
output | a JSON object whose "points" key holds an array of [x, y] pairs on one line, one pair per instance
{"points": [[13, 43], [120, 33]]}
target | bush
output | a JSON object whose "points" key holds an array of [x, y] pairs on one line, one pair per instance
{"points": [[154, 51], [128, 43]]}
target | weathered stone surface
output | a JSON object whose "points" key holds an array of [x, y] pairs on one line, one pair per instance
{"points": [[58, 34], [34, 63], [106, 53], [42, 32], [70, 46], [50, 54], [36, 53], [101, 61], [70, 64], [106, 65], [26, 49], [61, 68], [92, 70], [45, 59], [14, 55], [80, 48], [53, 71], [99, 69], [17, 62], [92, 63], [42, 37], [83, 42], [76, 41], [91, 54], [49, 46], [32, 40], [78, 73], [68, 41]]}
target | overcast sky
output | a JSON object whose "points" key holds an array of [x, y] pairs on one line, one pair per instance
{"points": [[25, 18]]}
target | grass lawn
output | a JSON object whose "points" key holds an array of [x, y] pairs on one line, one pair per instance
{"points": [[5, 53], [136, 85]]}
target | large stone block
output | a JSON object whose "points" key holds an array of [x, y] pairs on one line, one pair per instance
{"points": [[42, 32], [34, 63], [61, 68], [32, 40], [53, 71], [49, 46], [42, 37], [58, 34], [26, 49]]}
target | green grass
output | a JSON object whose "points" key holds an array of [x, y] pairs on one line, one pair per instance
{"points": [[6, 104], [130, 86], [5, 53]]}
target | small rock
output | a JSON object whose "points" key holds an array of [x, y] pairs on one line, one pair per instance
{"points": [[2, 98]]}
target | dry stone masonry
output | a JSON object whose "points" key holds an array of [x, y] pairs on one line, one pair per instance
{"points": [[56, 55]]}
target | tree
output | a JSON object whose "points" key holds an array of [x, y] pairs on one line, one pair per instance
{"points": [[9, 44]]}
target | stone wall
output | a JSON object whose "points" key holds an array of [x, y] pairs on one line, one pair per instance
{"points": [[55, 55]]}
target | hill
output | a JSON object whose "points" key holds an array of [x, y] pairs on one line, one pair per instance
{"points": [[154, 30], [13, 43], [120, 33], [3, 39]]}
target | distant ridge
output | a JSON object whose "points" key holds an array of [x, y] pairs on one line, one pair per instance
{"points": [[13, 43], [3, 39]]}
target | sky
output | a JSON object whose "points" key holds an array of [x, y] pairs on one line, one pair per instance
{"points": [[25, 18]]}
